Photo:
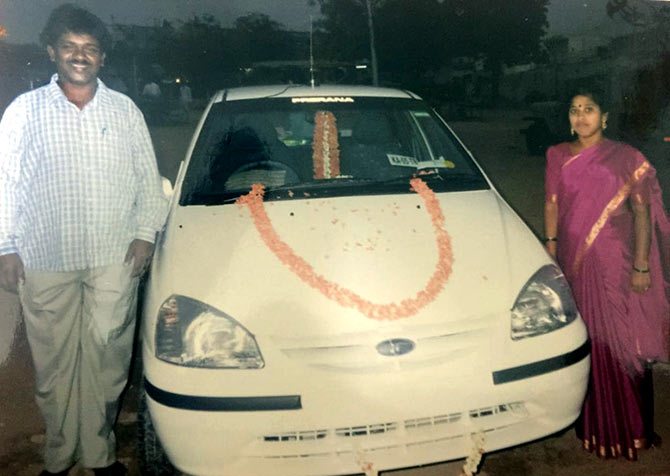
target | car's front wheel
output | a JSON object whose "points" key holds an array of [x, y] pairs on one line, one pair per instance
{"points": [[152, 458]]}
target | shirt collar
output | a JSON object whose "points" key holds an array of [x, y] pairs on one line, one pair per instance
{"points": [[56, 94]]}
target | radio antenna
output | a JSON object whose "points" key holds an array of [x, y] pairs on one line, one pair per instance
{"points": [[311, 50]]}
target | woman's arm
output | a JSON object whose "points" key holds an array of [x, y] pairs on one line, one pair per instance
{"points": [[640, 280], [551, 226], [552, 173]]}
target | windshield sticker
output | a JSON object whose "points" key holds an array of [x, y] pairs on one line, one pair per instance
{"points": [[318, 99], [402, 160]]}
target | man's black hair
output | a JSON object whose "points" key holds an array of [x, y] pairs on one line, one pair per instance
{"points": [[70, 18]]}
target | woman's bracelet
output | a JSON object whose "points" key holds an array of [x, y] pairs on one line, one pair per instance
{"points": [[640, 270], [547, 239]]}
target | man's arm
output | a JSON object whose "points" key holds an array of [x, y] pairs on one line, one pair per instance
{"points": [[12, 148], [151, 204], [11, 272]]}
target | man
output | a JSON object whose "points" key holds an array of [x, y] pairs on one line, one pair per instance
{"points": [[152, 90], [80, 206], [185, 97]]}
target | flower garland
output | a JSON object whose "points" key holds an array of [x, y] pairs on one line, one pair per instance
{"points": [[469, 468], [368, 467], [345, 297], [475, 456], [326, 148]]}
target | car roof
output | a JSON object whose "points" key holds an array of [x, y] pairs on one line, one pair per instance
{"points": [[295, 90]]}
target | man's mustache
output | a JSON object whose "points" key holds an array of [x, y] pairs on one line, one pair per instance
{"points": [[79, 63]]}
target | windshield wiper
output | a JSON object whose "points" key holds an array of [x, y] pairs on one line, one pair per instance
{"points": [[431, 176], [322, 183], [214, 197], [428, 175]]}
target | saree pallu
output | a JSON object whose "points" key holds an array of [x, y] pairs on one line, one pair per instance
{"points": [[594, 190]]}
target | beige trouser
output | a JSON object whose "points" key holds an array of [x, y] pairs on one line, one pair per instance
{"points": [[80, 328]]}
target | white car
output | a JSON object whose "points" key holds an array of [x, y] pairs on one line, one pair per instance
{"points": [[340, 290]]}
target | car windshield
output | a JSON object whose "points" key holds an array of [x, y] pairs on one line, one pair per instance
{"points": [[318, 147]]}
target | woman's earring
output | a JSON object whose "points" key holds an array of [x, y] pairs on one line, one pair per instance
{"points": [[572, 131], [604, 125]]}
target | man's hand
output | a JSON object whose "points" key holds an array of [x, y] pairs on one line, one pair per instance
{"points": [[139, 254], [11, 272]]}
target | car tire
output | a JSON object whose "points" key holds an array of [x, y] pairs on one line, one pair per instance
{"points": [[152, 458]]}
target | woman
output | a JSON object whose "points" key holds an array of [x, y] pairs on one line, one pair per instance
{"points": [[606, 226]]}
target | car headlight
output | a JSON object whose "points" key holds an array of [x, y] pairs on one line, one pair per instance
{"points": [[543, 305], [193, 334]]}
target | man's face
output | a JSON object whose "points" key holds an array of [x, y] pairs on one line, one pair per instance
{"points": [[78, 58]]}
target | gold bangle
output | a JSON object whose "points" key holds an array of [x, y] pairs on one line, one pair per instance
{"points": [[640, 270], [550, 238]]}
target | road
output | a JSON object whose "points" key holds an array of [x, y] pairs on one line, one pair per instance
{"points": [[496, 141]]}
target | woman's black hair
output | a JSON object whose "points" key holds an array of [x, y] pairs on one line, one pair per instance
{"points": [[70, 18], [594, 93]]}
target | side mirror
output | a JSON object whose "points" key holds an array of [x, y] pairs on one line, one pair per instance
{"points": [[167, 187]]}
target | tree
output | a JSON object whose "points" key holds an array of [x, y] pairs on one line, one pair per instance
{"points": [[645, 15], [347, 31], [503, 33], [202, 51], [23, 67], [417, 36], [198, 49], [342, 31], [258, 38], [650, 95]]}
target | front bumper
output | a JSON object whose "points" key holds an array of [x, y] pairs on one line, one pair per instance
{"points": [[407, 425]]}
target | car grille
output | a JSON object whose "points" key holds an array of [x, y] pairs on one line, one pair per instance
{"points": [[517, 408], [297, 436], [486, 419], [366, 430]]}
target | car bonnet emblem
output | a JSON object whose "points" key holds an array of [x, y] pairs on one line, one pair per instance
{"points": [[393, 347]]}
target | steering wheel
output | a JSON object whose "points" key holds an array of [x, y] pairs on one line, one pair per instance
{"points": [[291, 175]]}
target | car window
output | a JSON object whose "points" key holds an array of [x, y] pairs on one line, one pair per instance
{"points": [[355, 147]]}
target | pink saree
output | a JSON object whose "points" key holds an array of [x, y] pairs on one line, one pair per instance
{"points": [[595, 250]]}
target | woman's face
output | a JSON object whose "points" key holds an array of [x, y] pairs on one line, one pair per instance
{"points": [[586, 118]]}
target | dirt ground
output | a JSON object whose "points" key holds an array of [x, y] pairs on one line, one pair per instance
{"points": [[496, 141]]}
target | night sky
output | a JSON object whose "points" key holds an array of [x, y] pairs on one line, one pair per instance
{"points": [[23, 19]]}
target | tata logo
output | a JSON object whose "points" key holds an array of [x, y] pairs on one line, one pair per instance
{"points": [[394, 347]]}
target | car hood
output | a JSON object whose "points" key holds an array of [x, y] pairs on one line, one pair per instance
{"points": [[318, 266]]}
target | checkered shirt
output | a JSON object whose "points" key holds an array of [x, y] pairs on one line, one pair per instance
{"points": [[76, 186]]}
